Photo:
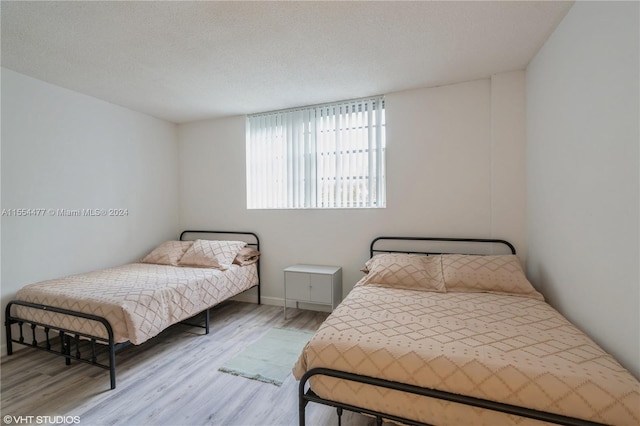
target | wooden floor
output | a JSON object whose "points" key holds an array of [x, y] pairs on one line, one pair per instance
{"points": [[172, 379]]}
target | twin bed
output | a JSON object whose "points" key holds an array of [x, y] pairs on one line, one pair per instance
{"points": [[428, 336], [451, 339], [78, 316]]}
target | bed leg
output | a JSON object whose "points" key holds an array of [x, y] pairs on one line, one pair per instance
{"points": [[112, 364], [206, 321], [7, 323], [339, 410], [378, 421], [67, 348], [9, 339]]}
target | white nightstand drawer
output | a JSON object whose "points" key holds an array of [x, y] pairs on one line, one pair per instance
{"points": [[313, 284], [297, 286], [320, 289]]}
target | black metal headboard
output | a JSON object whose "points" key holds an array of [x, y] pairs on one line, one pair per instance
{"points": [[250, 238], [419, 245]]}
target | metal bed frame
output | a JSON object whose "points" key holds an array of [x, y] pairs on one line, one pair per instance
{"points": [[72, 343], [306, 395]]}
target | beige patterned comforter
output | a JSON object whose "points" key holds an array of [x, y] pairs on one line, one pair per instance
{"points": [[139, 300], [504, 348]]}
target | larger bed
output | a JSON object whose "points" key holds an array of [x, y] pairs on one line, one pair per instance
{"points": [[452, 339], [78, 315]]}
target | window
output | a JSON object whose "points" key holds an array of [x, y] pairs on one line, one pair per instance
{"points": [[325, 156]]}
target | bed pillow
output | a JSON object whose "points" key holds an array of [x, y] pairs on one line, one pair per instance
{"points": [[486, 274], [247, 256], [211, 254], [168, 253], [406, 271]]}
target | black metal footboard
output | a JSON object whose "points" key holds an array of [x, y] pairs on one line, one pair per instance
{"points": [[67, 343], [307, 395], [67, 338]]}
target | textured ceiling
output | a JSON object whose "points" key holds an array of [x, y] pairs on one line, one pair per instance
{"points": [[186, 61]]}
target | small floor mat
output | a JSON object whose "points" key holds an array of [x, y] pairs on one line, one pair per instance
{"points": [[270, 358]]}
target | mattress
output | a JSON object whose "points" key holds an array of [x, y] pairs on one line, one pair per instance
{"points": [[501, 347], [139, 300]]}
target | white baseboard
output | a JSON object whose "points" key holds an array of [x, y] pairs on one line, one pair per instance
{"points": [[252, 298], [279, 301]]}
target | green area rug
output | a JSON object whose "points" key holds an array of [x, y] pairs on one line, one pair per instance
{"points": [[271, 358]]}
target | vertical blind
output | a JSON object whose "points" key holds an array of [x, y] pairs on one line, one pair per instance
{"points": [[324, 156]]}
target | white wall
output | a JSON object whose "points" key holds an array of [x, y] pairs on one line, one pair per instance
{"points": [[583, 173], [441, 168], [508, 163], [64, 150]]}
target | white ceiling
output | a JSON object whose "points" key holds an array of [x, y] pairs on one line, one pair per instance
{"points": [[187, 61]]}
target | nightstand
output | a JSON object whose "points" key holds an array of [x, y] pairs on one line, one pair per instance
{"points": [[317, 284]]}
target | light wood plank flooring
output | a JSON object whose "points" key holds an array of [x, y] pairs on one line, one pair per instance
{"points": [[172, 379]]}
